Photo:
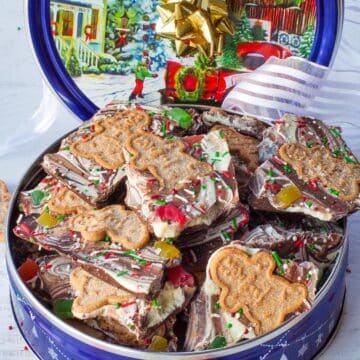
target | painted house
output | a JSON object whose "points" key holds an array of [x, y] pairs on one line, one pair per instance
{"points": [[81, 21]]}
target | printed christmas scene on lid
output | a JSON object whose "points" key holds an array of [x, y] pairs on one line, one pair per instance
{"points": [[185, 51]]}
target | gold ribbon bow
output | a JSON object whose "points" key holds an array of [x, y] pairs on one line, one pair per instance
{"points": [[195, 24]]}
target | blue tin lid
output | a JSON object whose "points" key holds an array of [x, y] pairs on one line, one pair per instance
{"points": [[113, 52]]}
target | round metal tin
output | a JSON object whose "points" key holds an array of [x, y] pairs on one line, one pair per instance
{"points": [[50, 338], [329, 21]]}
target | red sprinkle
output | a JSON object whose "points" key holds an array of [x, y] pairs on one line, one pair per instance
{"points": [[10, 327], [84, 136], [147, 341], [109, 254], [279, 122], [25, 229], [226, 174], [173, 191], [152, 181], [155, 196], [246, 331], [299, 243], [313, 184], [277, 160], [196, 182], [167, 125], [128, 304], [48, 266], [26, 348], [147, 267]]}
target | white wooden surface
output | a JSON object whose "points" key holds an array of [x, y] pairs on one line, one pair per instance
{"points": [[20, 93]]}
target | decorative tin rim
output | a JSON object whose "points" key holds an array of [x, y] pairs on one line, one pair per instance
{"points": [[141, 354], [37, 12]]}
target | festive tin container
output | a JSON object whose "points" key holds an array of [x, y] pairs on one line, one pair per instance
{"points": [[50, 338], [94, 51]]}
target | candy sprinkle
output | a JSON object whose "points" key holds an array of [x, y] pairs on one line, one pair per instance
{"points": [[229, 325], [218, 342], [277, 258], [122, 273], [155, 302], [216, 306], [334, 192], [240, 311]]}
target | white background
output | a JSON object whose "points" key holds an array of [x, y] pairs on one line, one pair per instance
{"points": [[21, 91]]}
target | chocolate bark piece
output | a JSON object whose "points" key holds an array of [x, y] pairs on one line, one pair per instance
{"points": [[306, 131], [297, 237], [140, 272], [122, 310], [310, 160], [197, 200], [208, 321], [52, 281], [197, 247], [243, 124]]}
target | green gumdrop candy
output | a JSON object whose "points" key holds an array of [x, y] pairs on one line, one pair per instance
{"points": [[62, 308], [37, 196], [218, 342], [182, 117]]}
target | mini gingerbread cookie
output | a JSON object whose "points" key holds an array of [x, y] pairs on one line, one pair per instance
{"points": [[248, 283], [67, 202], [123, 226], [93, 293], [105, 146], [242, 146], [4, 203], [320, 164], [166, 160]]}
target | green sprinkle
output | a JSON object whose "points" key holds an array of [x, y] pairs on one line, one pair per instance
{"points": [[277, 258], [217, 154], [160, 202], [130, 154], [309, 204], [196, 145], [270, 173], [221, 134], [169, 240], [324, 140], [288, 169], [117, 305], [229, 325], [337, 152], [37, 196], [107, 238], [163, 127], [225, 235], [240, 311], [335, 132], [334, 192], [280, 272], [215, 180], [308, 275], [234, 223], [349, 160], [96, 182], [155, 302], [310, 144], [129, 252], [61, 217], [216, 306], [170, 137], [122, 273], [142, 262], [67, 148], [103, 253], [131, 327], [151, 113], [312, 247], [218, 342], [203, 187]]}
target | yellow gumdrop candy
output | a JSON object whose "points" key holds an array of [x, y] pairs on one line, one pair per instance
{"points": [[158, 344], [288, 195], [46, 219], [167, 250]]}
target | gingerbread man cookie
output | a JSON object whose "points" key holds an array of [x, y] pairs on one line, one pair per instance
{"points": [[67, 202], [105, 146], [166, 160], [248, 283], [123, 226], [319, 163]]}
